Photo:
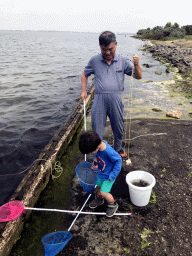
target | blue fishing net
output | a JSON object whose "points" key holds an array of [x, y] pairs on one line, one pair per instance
{"points": [[55, 242], [87, 176]]}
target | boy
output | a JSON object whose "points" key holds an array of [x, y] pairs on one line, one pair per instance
{"points": [[109, 166]]}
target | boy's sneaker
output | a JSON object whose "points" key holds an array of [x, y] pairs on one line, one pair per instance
{"points": [[96, 202], [111, 209]]}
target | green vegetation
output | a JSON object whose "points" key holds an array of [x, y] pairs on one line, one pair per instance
{"points": [[164, 171], [185, 83], [54, 196], [188, 38], [168, 32], [153, 198], [144, 235], [126, 250]]}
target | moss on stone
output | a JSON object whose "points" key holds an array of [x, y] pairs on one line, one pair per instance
{"points": [[54, 196]]}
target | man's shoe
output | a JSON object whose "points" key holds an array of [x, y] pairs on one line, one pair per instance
{"points": [[96, 202], [111, 209], [122, 153]]}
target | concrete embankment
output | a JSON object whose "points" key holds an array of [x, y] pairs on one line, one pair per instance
{"points": [[38, 176]]}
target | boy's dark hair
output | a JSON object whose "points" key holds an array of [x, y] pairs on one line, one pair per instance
{"points": [[88, 142], [106, 38]]}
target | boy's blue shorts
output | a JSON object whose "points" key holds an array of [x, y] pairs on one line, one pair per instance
{"points": [[105, 185]]}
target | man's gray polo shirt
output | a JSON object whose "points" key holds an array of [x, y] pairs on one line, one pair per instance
{"points": [[109, 78]]}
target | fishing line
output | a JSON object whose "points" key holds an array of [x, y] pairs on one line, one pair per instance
{"points": [[13, 174], [57, 168], [145, 135], [128, 161]]}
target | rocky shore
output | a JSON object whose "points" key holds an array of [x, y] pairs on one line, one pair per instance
{"points": [[177, 56], [180, 57]]}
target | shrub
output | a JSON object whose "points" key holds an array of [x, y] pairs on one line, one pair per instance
{"points": [[157, 33], [176, 25], [142, 31], [177, 32], [188, 29], [167, 31], [164, 33], [168, 25], [148, 35]]}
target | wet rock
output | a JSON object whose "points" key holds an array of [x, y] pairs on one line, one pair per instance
{"points": [[157, 109], [146, 65], [158, 73], [168, 69], [146, 81], [172, 69], [174, 113], [179, 57]]}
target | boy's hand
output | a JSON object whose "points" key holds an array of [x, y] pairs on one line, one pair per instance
{"points": [[94, 166]]}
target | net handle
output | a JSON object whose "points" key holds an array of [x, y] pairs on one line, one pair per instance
{"points": [[85, 127], [79, 212], [62, 211], [73, 212], [84, 107]]}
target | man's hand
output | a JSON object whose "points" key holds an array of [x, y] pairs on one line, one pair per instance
{"points": [[138, 70], [136, 59], [83, 96], [84, 79]]}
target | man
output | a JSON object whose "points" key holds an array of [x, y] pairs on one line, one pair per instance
{"points": [[109, 69]]}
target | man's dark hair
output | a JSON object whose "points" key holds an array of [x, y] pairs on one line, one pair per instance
{"points": [[106, 38], [88, 142]]}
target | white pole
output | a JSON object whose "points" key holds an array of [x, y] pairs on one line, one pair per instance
{"points": [[79, 212], [84, 106], [74, 212]]}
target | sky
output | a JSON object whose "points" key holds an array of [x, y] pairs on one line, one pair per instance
{"points": [[92, 16]]}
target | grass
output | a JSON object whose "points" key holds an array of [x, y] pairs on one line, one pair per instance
{"points": [[144, 235], [166, 39], [153, 198], [188, 38], [164, 171], [185, 82]]}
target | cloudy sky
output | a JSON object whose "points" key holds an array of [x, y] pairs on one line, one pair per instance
{"points": [[92, 16]]}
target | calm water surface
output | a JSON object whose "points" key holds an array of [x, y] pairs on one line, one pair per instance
{"points": [[40, 75]]}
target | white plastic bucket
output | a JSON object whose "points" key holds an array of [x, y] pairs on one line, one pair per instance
{"points": [[140, 196]]}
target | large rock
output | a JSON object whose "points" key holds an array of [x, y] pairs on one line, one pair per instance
{"points": [[174, 113]]}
